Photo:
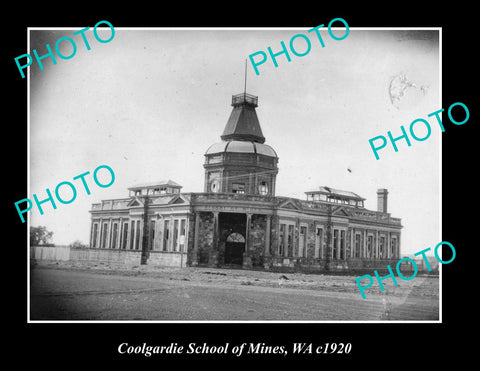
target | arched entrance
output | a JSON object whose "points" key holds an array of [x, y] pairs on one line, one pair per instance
{"points": [[234, 248]]}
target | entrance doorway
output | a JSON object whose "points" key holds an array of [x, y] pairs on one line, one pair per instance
{"points": [[232, 235], [234, 248]]}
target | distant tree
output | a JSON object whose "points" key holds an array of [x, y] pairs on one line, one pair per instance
{"points": [[77, 244], [40, 236]]}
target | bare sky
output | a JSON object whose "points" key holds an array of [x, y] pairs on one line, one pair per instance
{"points": [[150, 102]]}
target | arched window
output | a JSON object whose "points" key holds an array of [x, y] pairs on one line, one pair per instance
{"points": [[236, 237], [263, 188]]}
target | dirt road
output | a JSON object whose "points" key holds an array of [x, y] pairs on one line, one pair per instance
{"points": [[66, 292]]}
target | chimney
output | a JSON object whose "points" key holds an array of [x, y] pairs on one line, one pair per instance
{"points": [[382, 197]]}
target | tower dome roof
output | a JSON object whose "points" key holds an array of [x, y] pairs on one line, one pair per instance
{"points": [[241, 146]]}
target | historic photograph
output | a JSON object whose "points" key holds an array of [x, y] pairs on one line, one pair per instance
{"points": [[229, 174]]}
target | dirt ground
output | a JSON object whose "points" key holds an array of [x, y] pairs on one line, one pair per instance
{"points": [[74, 291]]}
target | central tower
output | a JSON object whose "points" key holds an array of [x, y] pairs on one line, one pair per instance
{"points": [[241, 162]]}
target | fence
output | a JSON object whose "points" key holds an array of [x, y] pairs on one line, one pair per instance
{"points": [[113, 256], [50, 252]]}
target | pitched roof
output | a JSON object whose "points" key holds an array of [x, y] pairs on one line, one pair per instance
{"points": [[160, 183], [336, 192], [243, 122]]}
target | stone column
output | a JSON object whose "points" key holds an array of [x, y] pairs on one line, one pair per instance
{"points": [[389, 246], [92, 237], [296, 239], [215, 230], [91, 234], [267, 235], [266, 253], [274, 231], [353, 248], [120, 233], [213, 260], [247, 260], [99, 233], [377, 245], [187, 229], [195, 240], [205, 188], [352, 243], [109, 237], [170, 234], [247, 232], [398, 245], [364, 245], [272, 192]]}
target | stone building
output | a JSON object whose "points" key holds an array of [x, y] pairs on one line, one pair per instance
{"points": [[238, 221]]}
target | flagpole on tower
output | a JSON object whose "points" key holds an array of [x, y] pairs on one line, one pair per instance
{"points": [[245, 87]]}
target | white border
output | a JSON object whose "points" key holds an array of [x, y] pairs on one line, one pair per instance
{"points": [[440, 320]]}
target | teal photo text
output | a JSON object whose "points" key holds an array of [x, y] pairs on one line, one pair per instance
{"points": [[399, 273], [422, 126], [300, 45], [65, 187], [28, 59]]}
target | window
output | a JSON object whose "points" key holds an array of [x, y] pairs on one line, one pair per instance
{"points": [[166, 234], [132, 234], [125, 236], [182, 234], [114, 236], [152, 234], [335, 244], [215, 186], [290, 240], [235, 237], [137, 236], [302, 243], [286, 241], [163, 190], [104, 235], [357, 246], [394, 247], [382, 245], [175, 235], [369, 246], [214, 159], [95, 234], [238, 188], [263, 188], [281, 240], [319, 243], [342, 245]]}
